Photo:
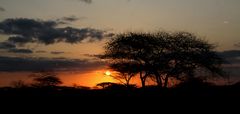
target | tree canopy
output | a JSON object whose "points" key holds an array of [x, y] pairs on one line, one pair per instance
{"points": [[162, 55]]}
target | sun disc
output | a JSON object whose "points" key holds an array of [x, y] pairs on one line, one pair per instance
{"points": [[108, 73]]}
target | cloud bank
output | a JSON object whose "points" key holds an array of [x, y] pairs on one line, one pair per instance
{"points": [[15, 64], [10, 47], [23, 30]]}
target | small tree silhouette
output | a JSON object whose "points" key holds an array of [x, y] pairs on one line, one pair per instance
{"points": [[19, 84], [104, 85], [46, 79]]}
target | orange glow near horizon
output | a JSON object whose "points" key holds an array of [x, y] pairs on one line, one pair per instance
{"points": [[89, 79]]}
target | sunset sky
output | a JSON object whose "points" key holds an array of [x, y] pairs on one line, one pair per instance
{"points": [[64, 35]]}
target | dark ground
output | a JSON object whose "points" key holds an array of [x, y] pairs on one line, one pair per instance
{"points": [[118, 97], [183, 91], [121, 100]]}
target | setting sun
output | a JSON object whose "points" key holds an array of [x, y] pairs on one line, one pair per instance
{"points": [[108, 73]]}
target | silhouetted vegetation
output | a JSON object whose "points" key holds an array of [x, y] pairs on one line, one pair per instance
{"points": [[158, 56], [19, 84], [45, 79], [161, 55], [104, 85], [193, 88], [126, 71]]}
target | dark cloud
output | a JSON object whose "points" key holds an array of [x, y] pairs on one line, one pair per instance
{"points": [[10, 47], [23, 51], [36, 64], [230, 54], [6, 45], [46, 32], [57, 52], [231, 63], [19, 39], [2, 9]]}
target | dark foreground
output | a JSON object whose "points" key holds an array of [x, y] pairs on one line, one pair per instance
{"points": [[184, 91], [120, 99]]}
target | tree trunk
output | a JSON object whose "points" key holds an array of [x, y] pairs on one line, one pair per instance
{"points": [[142, 80], [158, 78], [128, 83], [166, 81]]}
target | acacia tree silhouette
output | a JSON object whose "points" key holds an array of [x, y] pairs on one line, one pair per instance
{"points": [[163, 55], [104, 85], [130, 48], [46, 79]]}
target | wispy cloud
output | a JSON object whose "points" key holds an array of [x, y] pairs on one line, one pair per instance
{"points": [[226, 22], [65, 20], [237, 44], [2, 9], [40, 51], [57, 52], [6, 45], [23, 51], [90, 55], [46, 32], [86, 1], [70, 18]]}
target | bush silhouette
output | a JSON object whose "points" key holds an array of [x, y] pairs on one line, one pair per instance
{"points": [[19, 84]]}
